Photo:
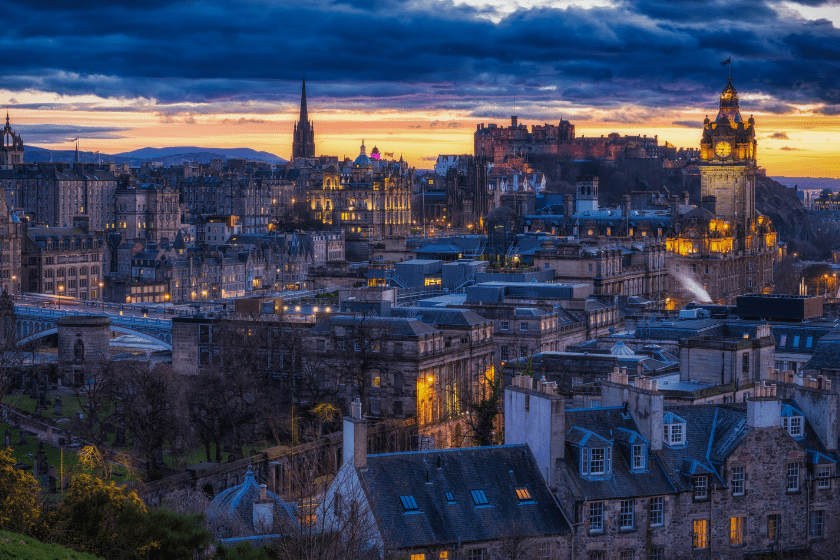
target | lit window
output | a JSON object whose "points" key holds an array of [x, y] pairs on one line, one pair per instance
{"points": [[444, 555], [522, 493], [657, 507], [738, 476], [793, 477], [701, 487], [596, 516], [736, 531], [699, 533], [479, 497], [418, 557], [409, 503], [626, 517], [823, 477], [816, 526], [774, 522]]}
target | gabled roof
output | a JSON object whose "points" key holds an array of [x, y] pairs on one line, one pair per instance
{"points": [[496, 470]]}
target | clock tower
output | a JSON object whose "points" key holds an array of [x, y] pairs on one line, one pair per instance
{"points": [[728, 163]]}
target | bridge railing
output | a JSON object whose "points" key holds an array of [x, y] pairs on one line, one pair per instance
{"points": [[25, 310]]}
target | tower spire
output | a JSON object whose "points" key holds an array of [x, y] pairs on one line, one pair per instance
{"points": [[304, 115], [303, 141], [77, 151]]}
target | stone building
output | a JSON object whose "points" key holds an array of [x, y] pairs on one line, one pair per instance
{"points": [[726, 247], [62, 261], [11, 241], [11, 146], [146, 211]]}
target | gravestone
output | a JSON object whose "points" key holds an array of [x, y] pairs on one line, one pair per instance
{"points": [[51, 484], [33, 389], [58, 405], [8, 437]]}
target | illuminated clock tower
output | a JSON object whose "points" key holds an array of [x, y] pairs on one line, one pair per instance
{"points": [[728, 163]]}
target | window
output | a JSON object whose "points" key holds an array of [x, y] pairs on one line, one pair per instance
{"points": [[627, 555], [600, 459], [638, 456], [657, 508], [816, 525], [504, 325], [796, 341], [745, 363], [701, 487], [823, 477], [736, 531], [418, 557], [783, 340], [504, 353], [597, 555], [738, 477], [523, 494], [475, 554], [809, 342], [444, 555], [449, 497], [357, 346], [596, 516], [774, 521], [544, 550], [479, 497], [409, 503], [699, 533], [793, 425], [657, 554], [674, 431], [626, 516], [523, 327], [793, 477], [523, 351]]}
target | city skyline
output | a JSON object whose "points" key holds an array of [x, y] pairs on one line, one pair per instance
{"points": [[417, 78]]}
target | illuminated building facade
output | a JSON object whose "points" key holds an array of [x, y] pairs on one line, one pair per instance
{"points": [[724, 247]]}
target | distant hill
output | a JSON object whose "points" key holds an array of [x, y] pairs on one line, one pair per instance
{"points": [[156, 154], [167, 156], [809, 183]]}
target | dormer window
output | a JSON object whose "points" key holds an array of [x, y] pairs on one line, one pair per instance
{"points": [[638, 456], [793, 421], [596, 460], [674, 433]]}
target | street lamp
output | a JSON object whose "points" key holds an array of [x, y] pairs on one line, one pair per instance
{"points": [[60, 291], [204, 293]]}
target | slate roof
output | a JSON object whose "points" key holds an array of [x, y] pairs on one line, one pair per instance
{"points": [[239, 502], [396, 326], [437, 316], [496, 470], [826, 354], [607, 423]]}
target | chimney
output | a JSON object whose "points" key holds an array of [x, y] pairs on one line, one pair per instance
{"points": [[764, 410], [644, 403], [568, 205], [820, 406], [710, 203], [625, 206], [675, 211], [539, 420], [355, 436], [262, 515], [262, 492]]}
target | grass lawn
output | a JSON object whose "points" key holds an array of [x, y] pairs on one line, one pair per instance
{"points": [[13, 545], [70, 405]]}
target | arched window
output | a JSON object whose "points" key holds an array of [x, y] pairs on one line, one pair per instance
{"points": [[48, 274], [83, 271], [61, 273], [94, 271], [73, 271]]}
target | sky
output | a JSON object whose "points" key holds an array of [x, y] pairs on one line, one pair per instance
{"points": [[415, 77]]}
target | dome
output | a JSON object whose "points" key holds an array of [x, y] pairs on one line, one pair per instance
{"points": [[362, 160], [621, 350], [501, 213], [241, 503]]}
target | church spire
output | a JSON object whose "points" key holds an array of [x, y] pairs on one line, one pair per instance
{"points": [[304, 115], [77, 151]]}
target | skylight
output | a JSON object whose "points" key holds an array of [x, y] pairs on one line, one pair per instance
{"points": [[409, 503], [522, 493], [449, 497], [478, 497]]}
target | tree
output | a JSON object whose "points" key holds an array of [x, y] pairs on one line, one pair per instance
{"points": [[152, 407], [101, 518], [19, 496]]}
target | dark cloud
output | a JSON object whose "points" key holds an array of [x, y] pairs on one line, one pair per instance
{"points": [[58, 133], [358, 54], [830, 110], [689, 124], [789, 149], [779, 136], [445, 124]]}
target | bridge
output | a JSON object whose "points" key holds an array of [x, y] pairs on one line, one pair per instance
{"points": [[36, 314], [33, 322]]}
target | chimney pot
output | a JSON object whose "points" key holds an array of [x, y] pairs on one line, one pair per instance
{"points": [[262, 492]]}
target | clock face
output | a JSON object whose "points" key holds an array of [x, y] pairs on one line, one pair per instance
{"points": [[723, 149]]}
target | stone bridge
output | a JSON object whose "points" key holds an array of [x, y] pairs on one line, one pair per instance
{"points": [[33, 322]]}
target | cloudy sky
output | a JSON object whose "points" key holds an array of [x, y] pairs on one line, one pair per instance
{"points": [[415, 77]]}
